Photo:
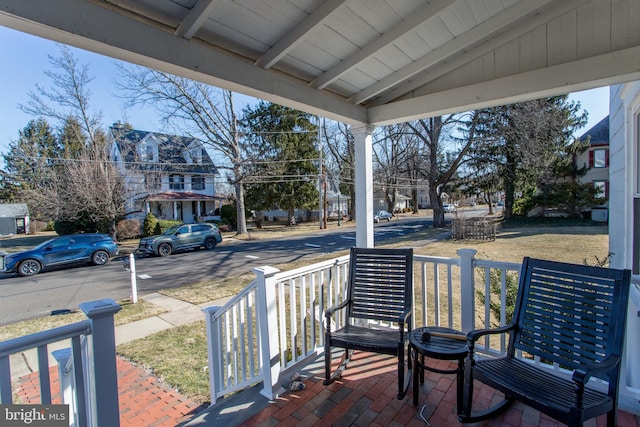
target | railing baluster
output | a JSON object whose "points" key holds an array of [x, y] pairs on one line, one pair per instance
{"points": [[436, 293], [487, 304], [43, 373], [6, 395]]}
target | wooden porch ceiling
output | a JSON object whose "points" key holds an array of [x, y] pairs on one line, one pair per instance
{"points": [[357, 61]]}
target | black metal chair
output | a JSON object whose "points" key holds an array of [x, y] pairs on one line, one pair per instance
{"points": [[380, 288], [567, 314]]}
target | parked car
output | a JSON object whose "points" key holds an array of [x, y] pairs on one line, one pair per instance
{"points": [[380, 215], [185, 236], [449, 207], [96, 249]]}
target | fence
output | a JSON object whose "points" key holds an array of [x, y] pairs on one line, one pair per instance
{"points": [[279, 317], [87, 369], [478, 229]]}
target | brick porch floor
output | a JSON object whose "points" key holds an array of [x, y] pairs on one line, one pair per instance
{"points": [[144, 400], [366, 396]]}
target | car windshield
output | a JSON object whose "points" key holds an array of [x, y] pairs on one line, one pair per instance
{"points": [[171, 230], [45, 243]]}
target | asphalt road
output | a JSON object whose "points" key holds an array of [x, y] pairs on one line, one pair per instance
{"points": [[24, 298]]}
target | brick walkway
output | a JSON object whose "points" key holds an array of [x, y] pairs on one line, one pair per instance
{"points": [[366, 396], [144, 400]]}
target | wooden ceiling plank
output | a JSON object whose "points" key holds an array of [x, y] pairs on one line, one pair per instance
{"points": [[437, 70], [475, 36], [416, 19], [197, 16], [293, 37]]}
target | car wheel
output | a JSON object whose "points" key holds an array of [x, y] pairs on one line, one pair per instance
{"points": [[29, 267], [210, 243], [388, 219], [376, 220], [164, 249], [100, 258]]}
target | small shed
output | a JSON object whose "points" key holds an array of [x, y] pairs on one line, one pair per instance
{"points": [[14, 218]]}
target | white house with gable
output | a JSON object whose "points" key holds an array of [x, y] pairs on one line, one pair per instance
{"points": [[170, 176]]}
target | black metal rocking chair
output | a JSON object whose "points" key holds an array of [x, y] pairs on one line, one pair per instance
{"points": [[567, 314], [380, 288]]}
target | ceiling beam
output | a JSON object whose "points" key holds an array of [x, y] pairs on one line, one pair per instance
{"points": [[197, 16], [293, 37], [597, 71], [475, 36], [415, 19], [551, 12], [87, 25]]}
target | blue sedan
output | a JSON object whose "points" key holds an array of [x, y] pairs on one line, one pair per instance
{"points": [[96, 249]]}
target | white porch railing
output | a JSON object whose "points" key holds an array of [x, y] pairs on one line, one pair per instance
{"points": [[279, 317], [87, 369]]}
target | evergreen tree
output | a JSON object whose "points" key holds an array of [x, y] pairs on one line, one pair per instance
{"points": [[524, 142], [283, 173], [31, 168]]}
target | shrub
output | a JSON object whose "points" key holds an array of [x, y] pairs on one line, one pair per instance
{"points": [[80, 225], [128, 229], [149, 225], [511, 282], [228, 215], [165, 224]]}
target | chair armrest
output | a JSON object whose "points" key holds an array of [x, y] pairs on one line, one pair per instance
{"points": [[582, 375], [474, 335], [405, 315], [329, 311]]}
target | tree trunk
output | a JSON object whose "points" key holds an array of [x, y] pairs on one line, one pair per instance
{"points": [[240, 217], [291, 216], [436, 205]]}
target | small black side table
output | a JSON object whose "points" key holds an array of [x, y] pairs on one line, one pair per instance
{"points": [[437, 348]]}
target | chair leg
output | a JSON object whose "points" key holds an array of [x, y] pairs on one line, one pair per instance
{"points": [[331, 377], [466, 415], [404, 380]]}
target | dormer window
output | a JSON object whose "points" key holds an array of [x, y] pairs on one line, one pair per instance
{"points": [[196, 155], [148, 151]]}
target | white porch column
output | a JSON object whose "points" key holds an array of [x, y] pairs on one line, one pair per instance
{"points": [[364, 185], [175, 210]]}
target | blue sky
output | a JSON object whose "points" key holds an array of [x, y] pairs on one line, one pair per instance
{"points": [[25, 58]]}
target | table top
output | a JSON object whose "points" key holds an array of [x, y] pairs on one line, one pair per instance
{"points": [[439, 347]]}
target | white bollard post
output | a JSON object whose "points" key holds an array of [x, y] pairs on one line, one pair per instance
{"points": [[134, 284]]}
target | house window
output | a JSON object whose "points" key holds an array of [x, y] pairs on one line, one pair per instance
{"points": [[152, 182], [599, 158], [148, 152], [602, 188], [176, 182], [196, 155], [197, 183]]}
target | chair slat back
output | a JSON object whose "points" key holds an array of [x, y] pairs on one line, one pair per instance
{"points": [[570, 314], [380, 283]]}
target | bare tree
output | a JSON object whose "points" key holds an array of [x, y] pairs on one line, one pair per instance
{"points": [[93, 188], [68, 96], [340, 157], [84, 189], [436, 133], [198, 110]]}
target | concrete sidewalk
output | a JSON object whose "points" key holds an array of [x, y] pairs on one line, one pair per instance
{"points": [[178, 313]]}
